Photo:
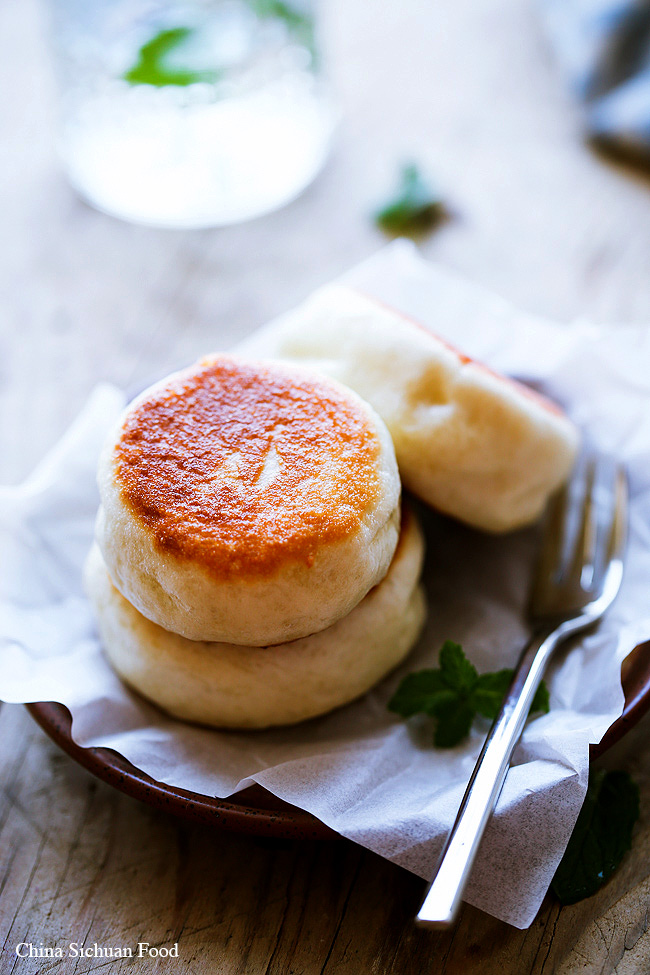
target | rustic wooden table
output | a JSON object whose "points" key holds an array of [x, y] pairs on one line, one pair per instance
{"points": [[469, 87]]}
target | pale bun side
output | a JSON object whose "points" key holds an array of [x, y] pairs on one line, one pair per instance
{"points": [[472, 444], [230, 686], [277, 535]]}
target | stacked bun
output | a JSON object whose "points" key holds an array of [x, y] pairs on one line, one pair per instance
{"points": [[252, 567]]}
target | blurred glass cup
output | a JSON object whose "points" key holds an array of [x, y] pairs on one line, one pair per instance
{"points": [[192, 114]]}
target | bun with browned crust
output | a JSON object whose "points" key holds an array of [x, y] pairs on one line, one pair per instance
{"points": [[249, 503]]}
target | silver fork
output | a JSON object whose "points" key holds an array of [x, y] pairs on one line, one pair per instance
{"points": [[578, 575]]}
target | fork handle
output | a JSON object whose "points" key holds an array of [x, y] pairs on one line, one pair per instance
{"points": [[445, 893]]}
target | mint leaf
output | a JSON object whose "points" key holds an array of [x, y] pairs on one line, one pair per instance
{"points": [[491, 689], [417, 693], [454, 723], [153, 64], [415, 208], [458, 672], [150, 68], [454, 693], [601, 837]]}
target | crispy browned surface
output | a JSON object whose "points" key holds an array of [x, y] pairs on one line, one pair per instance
{"points": [[192, 465]]}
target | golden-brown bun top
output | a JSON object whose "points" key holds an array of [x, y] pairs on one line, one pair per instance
{"points": [[241, 465]]}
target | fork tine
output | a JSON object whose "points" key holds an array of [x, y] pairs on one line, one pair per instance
{"points": [[612, 523], [549, 559], [584, 537], [580, 568], [618, 532]]}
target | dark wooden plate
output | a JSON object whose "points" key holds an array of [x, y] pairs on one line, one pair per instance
{"points": [[252, 811], [257, 811]]}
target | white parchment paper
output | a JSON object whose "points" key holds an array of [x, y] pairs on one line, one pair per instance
{"points": [[361, 771]]}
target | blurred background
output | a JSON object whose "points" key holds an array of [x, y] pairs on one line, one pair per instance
{"points": [[470, 89]]}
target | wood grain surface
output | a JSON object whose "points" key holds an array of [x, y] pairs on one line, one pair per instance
{"points": [[468, 87]]}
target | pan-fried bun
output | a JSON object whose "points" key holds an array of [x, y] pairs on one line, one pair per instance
{"points": [[255, 687], [473, 444], [247, 502]]}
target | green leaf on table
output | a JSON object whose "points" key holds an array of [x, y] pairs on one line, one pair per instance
{"points": [[454, 693], [152, 67], [415, 207], [601, 837]]}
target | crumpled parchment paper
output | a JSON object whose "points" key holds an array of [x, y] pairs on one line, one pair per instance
{"points": [[367, 775]]}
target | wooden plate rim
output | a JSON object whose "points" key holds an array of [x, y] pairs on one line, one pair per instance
{"points": [[254, 811]]}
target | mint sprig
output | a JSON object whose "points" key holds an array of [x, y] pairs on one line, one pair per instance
{"points": [[151, 67], [601, 837], [454, 693], [415, 207]]}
